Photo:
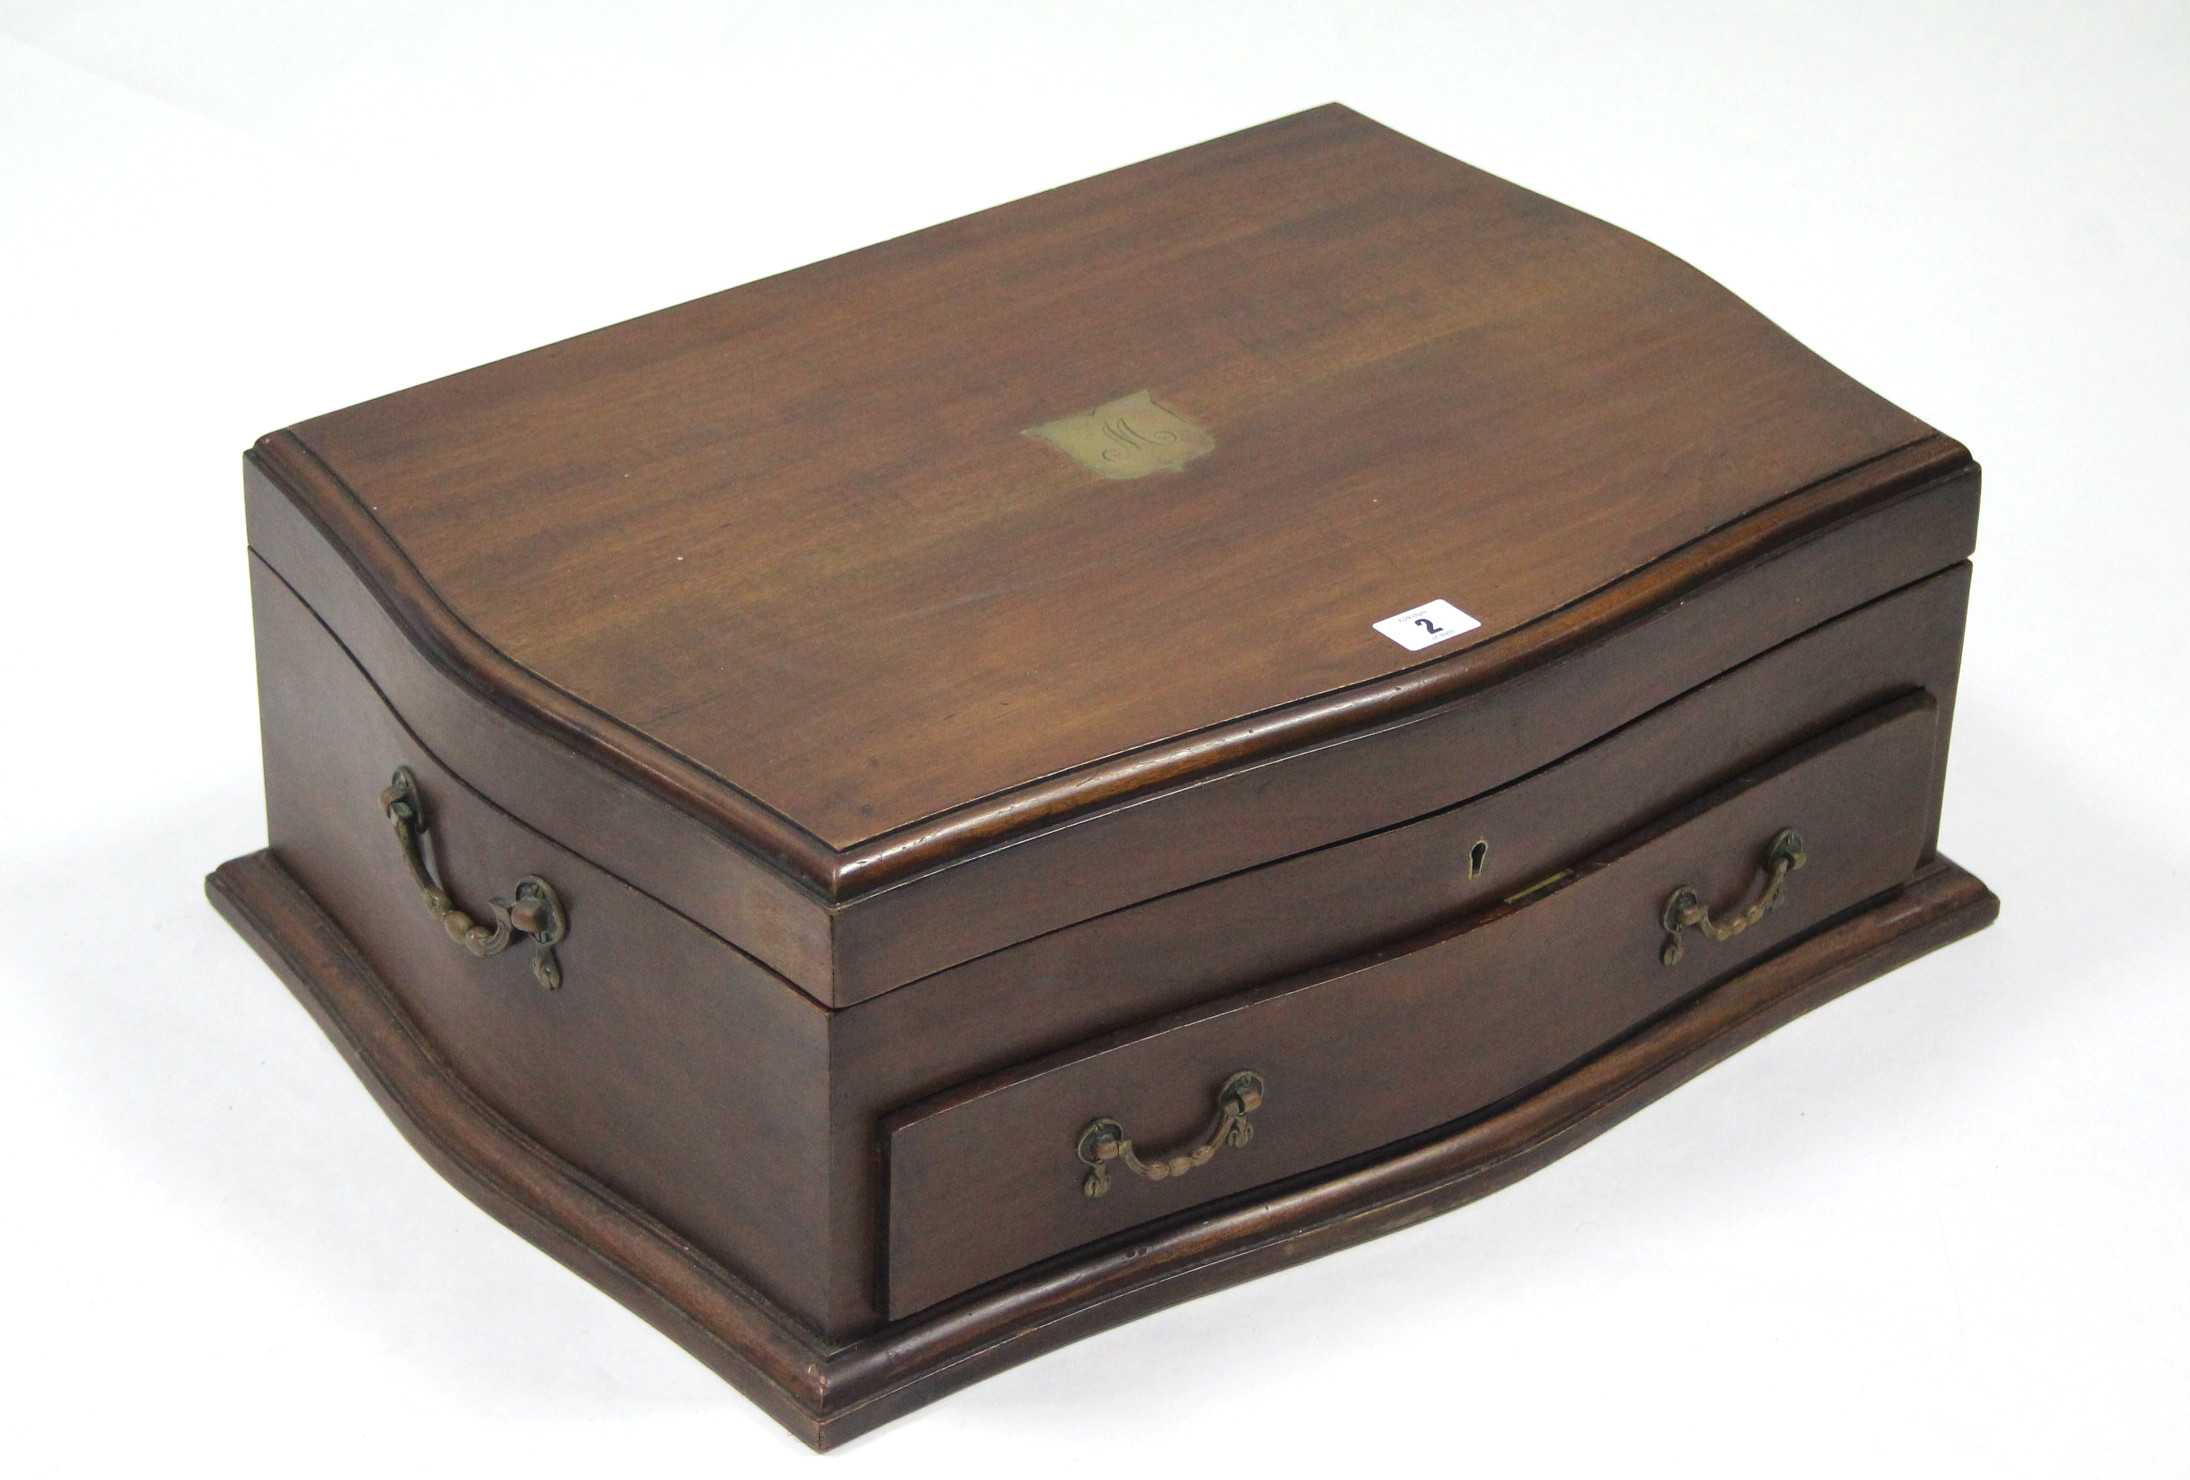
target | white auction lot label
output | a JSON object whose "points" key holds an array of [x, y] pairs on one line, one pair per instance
{"points": [[1422, 626]]}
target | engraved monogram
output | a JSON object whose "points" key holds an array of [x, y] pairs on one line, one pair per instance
{"points": [[1127, 438]]}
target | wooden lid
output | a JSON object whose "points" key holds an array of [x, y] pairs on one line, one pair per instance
{"points": [[842, 553]]}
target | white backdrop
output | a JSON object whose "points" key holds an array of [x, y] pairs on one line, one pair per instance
{"points": [[1940, 1228]]}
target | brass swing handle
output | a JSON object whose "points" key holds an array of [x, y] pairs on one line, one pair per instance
{"points": [[1104, 1141], [1684, 907], [536, 911]]}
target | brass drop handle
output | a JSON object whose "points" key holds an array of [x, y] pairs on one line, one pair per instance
{"points": [[1104, 1141], [536, 911], [1684, 907]]}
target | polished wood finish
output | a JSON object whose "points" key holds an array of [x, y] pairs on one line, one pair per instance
{"points": [[811, 498], [917, 792], [782, 564], [828, 1392], [984, 1180]]}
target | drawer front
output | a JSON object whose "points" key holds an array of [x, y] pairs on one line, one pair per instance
{"points": [[1007, 1171]]}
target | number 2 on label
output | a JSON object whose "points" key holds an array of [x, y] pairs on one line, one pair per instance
{"points": [[1426, 625]]}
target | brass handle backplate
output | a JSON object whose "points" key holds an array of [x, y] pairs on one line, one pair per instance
{"points": [[1104, 1141], [1685, 908], [535, 911]]}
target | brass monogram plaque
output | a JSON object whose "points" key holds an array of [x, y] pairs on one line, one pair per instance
{"points": [[1127, 438]]}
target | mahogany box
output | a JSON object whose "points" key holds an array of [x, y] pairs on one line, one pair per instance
{"points": [[907, 812]]}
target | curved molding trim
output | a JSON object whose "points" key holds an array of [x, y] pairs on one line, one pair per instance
{"points": [[826, 1391]]}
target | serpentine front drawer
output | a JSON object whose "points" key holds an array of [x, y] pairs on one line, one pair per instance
{"points": [[1294, 1075]]}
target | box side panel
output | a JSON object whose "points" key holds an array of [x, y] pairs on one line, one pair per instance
{"points": [[676, 1071], [627, 830]]}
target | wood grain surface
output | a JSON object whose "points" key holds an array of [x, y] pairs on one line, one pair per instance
{"points": [[792, 538], [879, 747]]}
